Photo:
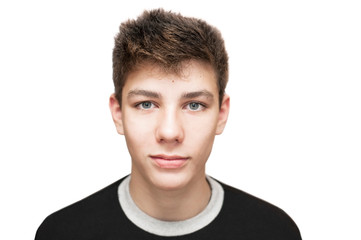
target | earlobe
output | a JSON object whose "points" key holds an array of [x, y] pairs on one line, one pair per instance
{"points": [[223, 114], [116, 112]]}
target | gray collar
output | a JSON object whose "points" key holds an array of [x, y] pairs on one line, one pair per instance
{"points": [[171, 228]]}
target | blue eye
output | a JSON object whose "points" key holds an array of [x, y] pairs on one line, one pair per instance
{"points": [[146, 105], [194, 106]]}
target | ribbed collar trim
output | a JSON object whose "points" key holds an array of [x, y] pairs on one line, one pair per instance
{"points": [[171, 228]]}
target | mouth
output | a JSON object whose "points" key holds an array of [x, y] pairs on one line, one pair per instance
{"points": [[169, 161]]}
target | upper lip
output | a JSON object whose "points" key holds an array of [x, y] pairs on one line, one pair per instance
{"points": [[169, 157]]}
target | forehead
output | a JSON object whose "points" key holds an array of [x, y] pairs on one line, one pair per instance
{"points": [[190, 74]]}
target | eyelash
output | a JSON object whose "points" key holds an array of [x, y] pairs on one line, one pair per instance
{"points": [[202, 106], [139, 105]]}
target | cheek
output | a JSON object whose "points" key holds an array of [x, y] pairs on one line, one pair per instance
{"points": [[200, 135], [138, 133], [201, 126]]}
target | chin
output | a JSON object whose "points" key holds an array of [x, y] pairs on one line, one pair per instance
{"points": [[169, 181]]}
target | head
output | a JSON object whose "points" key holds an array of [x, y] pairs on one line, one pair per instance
{"points": [[167, 40], [170, 74]]}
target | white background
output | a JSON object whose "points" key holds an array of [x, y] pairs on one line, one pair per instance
{"points": [[293, 137]]}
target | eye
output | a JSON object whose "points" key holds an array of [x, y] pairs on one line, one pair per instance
{"points": [[195, 106], [145, 105]]}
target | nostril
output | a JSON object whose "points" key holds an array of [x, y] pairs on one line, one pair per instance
{"points": [[169, 129], [169, 134]]}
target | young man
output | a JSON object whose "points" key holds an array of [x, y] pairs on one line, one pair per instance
{"points": [[170, 74]]}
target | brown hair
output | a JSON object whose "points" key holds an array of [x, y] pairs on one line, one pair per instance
{"points": [[167, 39]]}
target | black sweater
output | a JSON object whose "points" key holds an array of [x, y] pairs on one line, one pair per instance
{"points": [[101, 217]]}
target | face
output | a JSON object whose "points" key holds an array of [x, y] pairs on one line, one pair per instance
{"points": [[169, 122]]}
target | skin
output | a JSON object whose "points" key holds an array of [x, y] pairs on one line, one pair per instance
{"points": [[169, 122]]}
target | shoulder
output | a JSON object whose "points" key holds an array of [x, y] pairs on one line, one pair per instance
{"points": [[87, 214], [254, 215]]}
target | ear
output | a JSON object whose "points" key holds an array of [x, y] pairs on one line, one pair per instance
{"points": [[223, 114], [116, 112]]}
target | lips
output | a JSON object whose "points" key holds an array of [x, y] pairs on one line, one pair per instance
{"points": [[169, 161]]}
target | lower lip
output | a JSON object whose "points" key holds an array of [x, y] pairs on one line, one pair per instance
{"points": [[169, 163]]}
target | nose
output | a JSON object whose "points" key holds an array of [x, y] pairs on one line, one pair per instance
{"points": [[169, 128]]}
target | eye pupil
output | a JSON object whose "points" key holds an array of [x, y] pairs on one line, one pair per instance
{"points": [[146, 104], [194, 106]]}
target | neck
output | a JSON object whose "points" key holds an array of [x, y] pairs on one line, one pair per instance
{"points": [[170, 205]]}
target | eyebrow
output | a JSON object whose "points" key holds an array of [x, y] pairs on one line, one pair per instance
{"points": [[203, 93], [145, 93], [187, 95]]}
